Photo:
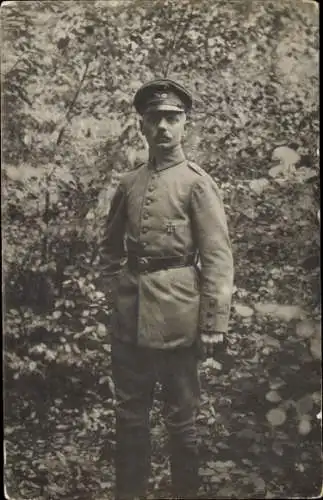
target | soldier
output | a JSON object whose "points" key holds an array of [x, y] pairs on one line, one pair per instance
{"points": [[165, 216]]}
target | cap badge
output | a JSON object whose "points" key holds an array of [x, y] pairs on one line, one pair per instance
{"points": [[161, 95]]}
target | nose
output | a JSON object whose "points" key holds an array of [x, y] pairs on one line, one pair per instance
{"points": [[162, 123]]}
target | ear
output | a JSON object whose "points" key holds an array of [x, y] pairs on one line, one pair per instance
{"points": [[184, 122], [185, 119], [141, 125]]}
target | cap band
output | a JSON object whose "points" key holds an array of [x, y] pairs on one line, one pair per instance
{"points": [[162, 94], [164, 101]]}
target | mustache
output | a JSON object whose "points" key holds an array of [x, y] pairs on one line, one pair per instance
{"points": [[162, 136]]}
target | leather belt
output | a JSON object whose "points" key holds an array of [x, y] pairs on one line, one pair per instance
{"points": [[149, 264]]}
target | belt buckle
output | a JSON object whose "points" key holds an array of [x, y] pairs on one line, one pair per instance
{"points": [[143, 263]]}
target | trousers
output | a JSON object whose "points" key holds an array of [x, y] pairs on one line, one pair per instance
{"points": [[135, 371]]}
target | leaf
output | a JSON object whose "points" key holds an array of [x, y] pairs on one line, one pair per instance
{"points": [[76, 348], [101, 330], [247, 434], [57, 314], [276, 383], [105, 484], [243, 310], [14, 312], [276, 417], [305, 329], [104, 379], [259, 185], [278, 449], [88, 329], [273, 397], [285, 155], [283, 312], [211, 464], [223, 446], [32, 366], [228, 464], [304, 405], [69, 303], [316, 348], [304, 427], [62, 43], [228, 491], [206, 472], [215, 479], [258, 482], [111, 386], [303, 174], [8, 430], [250, 213], [271, 341], [212, 363], [316, 396]]}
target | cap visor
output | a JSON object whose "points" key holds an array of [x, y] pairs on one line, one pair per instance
{"points": [[164, 107]]}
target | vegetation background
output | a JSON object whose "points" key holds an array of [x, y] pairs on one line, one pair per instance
{"points": [[69, 73]]}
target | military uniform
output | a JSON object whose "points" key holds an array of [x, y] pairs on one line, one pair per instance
{"points": [[166, 216]]}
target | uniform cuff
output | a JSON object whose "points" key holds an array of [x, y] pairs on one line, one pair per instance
{"points": [[212, 337], [221, 322], [214, 318]]}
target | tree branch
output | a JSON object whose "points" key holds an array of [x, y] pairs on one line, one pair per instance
{"points": [[48, 178], [177, 39], [5, 75], [72, 103]]}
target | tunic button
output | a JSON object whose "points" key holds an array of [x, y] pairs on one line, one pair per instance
{"points": [[145, 216], [144, 243], [148, 201], [144, 229], [151, 188]]}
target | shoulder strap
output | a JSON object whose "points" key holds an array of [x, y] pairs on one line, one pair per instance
{"points": [[196, 168]]}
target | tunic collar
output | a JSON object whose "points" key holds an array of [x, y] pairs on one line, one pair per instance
{"points": [[169, 159]]}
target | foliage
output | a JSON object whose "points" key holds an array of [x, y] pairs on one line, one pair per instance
{"points": [[69, 73]]}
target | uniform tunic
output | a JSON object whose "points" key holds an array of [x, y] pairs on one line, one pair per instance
{"points": [[165, 210]]}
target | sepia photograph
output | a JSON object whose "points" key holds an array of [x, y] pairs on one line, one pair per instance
{"points": [[161, 249]]}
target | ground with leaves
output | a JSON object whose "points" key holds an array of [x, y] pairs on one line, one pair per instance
{"points": [[70, 70]]}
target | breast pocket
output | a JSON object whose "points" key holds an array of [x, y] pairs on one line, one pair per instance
{"points": [[173, 227], [179, 232], [175, 237]]}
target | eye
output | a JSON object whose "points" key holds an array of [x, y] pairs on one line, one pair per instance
{"points": [[151, 118], [173, 118]]}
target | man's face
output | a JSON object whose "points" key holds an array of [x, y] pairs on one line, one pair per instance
{"points": [[163, 129]]}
